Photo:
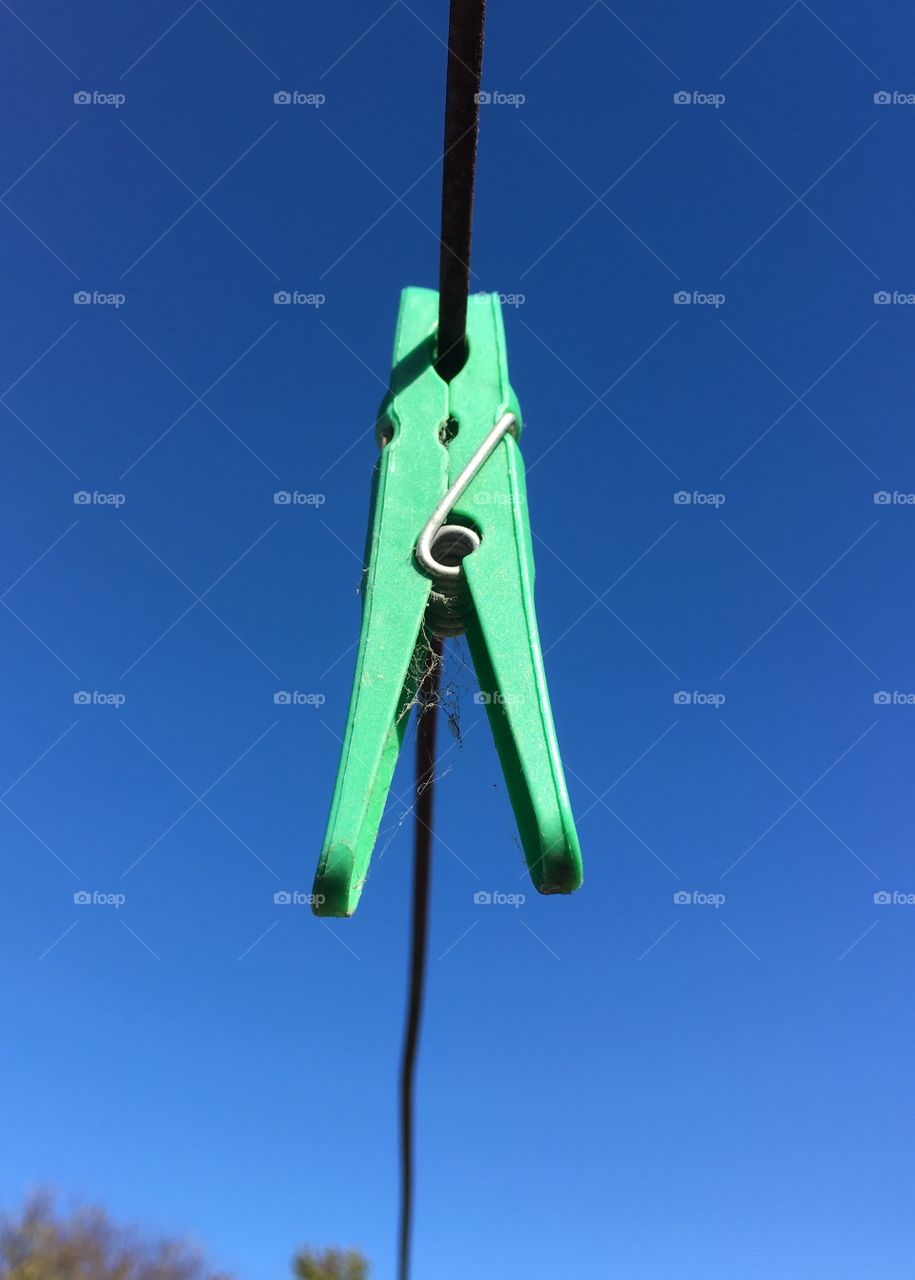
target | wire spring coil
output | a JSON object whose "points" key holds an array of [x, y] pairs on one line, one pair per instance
{"points": [[441, 547], [450, 605]]}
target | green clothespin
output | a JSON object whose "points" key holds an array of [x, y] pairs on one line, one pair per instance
{"points": [[448, 452]]}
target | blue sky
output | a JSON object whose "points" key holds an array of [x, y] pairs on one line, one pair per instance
{"points": [[616, 1083]]}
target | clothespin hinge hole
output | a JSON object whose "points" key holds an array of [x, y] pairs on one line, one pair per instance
{"points": [[452, 543], [448, 430]]}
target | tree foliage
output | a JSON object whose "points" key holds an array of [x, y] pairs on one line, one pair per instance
{"points": [[330, 1264], [41, 1244]]}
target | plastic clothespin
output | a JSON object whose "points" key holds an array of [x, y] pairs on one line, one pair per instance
{"points": [[478, 580]]}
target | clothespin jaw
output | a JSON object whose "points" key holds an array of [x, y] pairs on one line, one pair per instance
{"points": [[429, 430], [410, 478], [501, 628]]}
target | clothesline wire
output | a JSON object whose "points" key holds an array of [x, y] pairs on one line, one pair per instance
{"points": [[462, 112]]}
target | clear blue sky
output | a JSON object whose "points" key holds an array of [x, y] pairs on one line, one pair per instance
{"points": [[611, 1084]]}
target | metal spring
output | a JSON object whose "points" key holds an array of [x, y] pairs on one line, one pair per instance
{"points": [[441, 547], [450, 605]]}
